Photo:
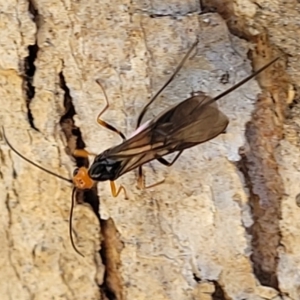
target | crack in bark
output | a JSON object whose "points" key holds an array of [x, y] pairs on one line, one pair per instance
{"points": [[219, 293], [174, 15], [29, 68], [197, 278], [109, 253], [111, 247], [75, 141], [263, 133], [67, 124]]}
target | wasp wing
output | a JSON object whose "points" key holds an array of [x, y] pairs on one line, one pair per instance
{"points": [[191, 122]]}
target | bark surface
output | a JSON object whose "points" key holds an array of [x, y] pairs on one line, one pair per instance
{"points": [[223, 225]]}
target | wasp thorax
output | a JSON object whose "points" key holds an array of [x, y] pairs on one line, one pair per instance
{"points": [[104, 169], [82, 179]]}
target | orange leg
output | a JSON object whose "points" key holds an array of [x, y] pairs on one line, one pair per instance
{"points": [[116, 192], [103, 123], [82, 153]]}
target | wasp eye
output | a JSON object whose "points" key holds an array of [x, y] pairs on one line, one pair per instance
{"points": [[75, 172]]}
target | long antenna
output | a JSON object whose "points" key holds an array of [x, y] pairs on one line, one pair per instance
{"points": [[242, 82], [166, 84], [70, 221], [56, 175], [32, 162]]}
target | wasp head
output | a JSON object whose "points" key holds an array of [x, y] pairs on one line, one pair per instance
{"points": [[81, 179]]}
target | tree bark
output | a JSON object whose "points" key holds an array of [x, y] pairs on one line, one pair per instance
{"points": [[223, 225]]}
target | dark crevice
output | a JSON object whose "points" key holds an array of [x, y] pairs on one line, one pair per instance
{"points": [[110, 289], [219, 293], [206, 9], [197, 278], [33, 10], [173, 15], [258, 5], [72, 132], [162, 15], [111, 247], [201, 5], [75, 141], [14, 174], [29, 69], [106, 291]]}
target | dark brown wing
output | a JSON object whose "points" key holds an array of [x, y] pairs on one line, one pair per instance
{"points": [[180, 127], [189, 123]]}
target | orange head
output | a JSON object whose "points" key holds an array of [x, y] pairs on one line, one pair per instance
{"points": [[81, 179]]}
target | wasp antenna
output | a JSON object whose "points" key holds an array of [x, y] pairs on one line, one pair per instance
{"points": [[242, 82], [166, 84], [70, 222], [103, 91], [32, 162]]}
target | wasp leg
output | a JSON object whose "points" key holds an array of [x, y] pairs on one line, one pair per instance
{"points": [[116, 192], [169, 164], [82, 153], [103, 123], [109, 127], [141, 181], [141, 177]]}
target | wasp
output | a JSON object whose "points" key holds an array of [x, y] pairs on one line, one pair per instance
{"points": [[187, 124], [191, 122]]}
